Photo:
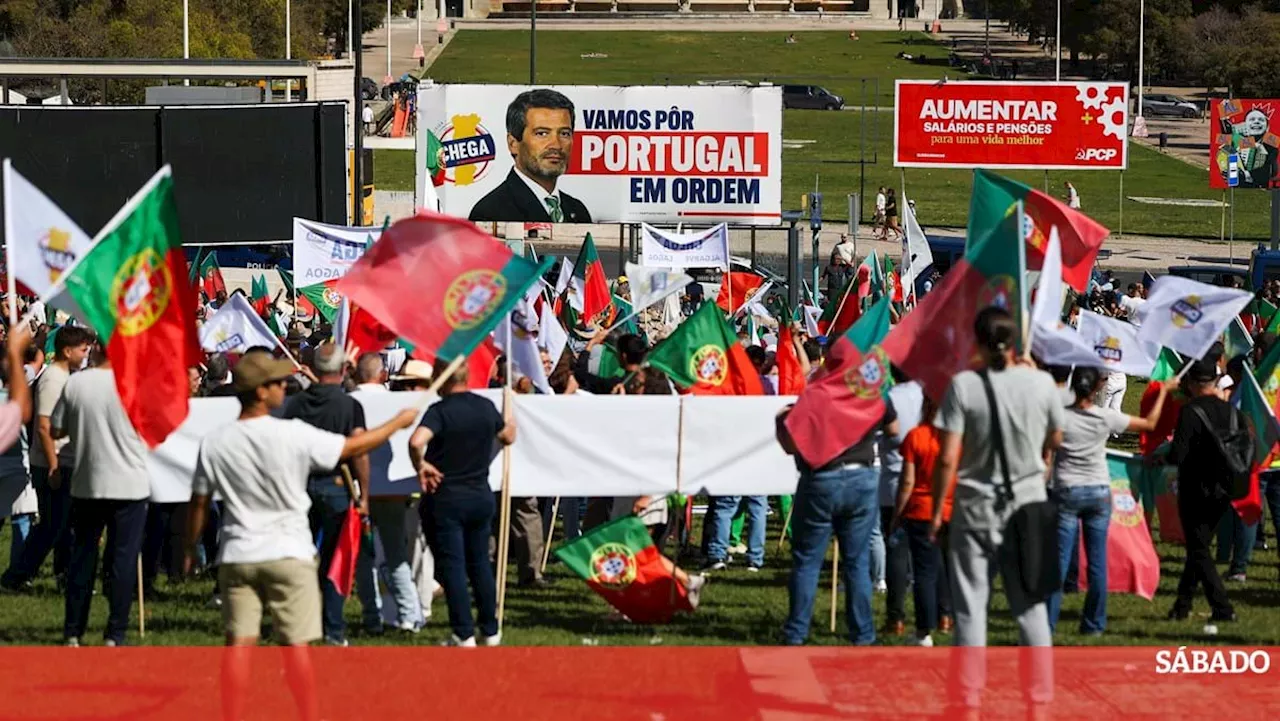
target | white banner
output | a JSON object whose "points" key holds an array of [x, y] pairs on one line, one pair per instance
{"points": [[324, 252], [706, 249], [729, 449], [172, 464], [610, 154]]}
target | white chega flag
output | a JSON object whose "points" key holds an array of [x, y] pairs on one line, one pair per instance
{"points": [[1188, 316], [812, 314], [518, 332], [916, 255], [41, 241], [551, 335], [1116, 343], [235, 328], [650, 285], [1051, 341]]}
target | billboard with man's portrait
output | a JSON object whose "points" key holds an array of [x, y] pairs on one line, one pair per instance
{"points": [[1246, 129], [592, 154]]}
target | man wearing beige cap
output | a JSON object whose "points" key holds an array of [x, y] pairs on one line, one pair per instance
{"points": [[260, 466]]}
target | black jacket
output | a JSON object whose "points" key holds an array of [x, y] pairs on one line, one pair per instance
{"points": [[329, 408], [512, 201]]}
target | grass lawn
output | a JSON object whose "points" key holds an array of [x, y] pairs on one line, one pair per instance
{"points": [[832, 60]]}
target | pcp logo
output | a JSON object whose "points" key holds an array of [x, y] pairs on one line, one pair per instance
{"points": [[468, 149], [1097, 155]]}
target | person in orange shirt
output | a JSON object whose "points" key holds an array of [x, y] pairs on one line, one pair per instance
{"points": [[914, 511]]}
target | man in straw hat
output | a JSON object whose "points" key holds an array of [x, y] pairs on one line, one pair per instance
{"points": [[260, 465]]}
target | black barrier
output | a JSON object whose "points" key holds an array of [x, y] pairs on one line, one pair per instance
{"points": [[241, 173]]}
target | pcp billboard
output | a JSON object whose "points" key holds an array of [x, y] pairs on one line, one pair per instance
{"points": [[1037, 126], [1244, 128], [593, 154]]}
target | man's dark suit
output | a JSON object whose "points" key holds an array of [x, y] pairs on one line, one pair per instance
{"points": [[512, 201]]}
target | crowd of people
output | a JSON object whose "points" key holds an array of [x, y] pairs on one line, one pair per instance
{"points": [[929, 505]]}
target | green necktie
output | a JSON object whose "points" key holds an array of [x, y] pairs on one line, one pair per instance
{"points": [[553, 209]]}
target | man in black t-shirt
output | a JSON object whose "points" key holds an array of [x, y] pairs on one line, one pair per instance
{"points": [[327, 406], [452, 450], [842, 497]]}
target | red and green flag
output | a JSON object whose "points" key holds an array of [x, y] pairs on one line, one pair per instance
{"points": [[791, 378], [1266, 433], [842, 311], [846, 400], [993, 200], [703, 354], [259, 296], [435, 159], [935, 341], [209, 274], [619, 561], [589, 280], [738, 287], [324, 298], [1167, 366], [132, 291], [439, 283]]}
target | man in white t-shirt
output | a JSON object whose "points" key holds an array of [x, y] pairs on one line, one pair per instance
{"points": [[1073, 198], [1132, 303], [259, 465], [110, 486]]}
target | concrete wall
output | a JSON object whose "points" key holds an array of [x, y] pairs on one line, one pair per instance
{"points": [[334, 81]]}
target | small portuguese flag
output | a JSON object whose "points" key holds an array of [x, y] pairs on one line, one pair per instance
{"points": [[210, 275], [324, 297], [619, 561], [134, 293], [439, 282], [704, 355], [589, 281]]}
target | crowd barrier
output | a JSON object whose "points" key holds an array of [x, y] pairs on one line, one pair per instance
{"points": [[578, 445]]}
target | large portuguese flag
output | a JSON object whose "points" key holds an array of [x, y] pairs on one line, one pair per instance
{"points": [[134, 293], [439, 282], [703, 354], [619, 561]]}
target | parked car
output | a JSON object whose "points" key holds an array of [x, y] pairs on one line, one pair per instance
{"points": [[368, 89], [810, 97], [1170, 105]]}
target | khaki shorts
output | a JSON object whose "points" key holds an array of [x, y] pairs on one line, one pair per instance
{"points": [[290, 588]]}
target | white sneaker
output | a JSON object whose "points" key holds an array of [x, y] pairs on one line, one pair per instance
{"points": [[494, 640], [109, 643], [72, 642], [882, 587], [925, 641], [459, 643], [408, 626], [739, 549], [696, 583]]}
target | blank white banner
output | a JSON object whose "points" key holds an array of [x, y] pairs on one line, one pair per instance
{"points": [[595, 445], [172, 464], [729, 447]]}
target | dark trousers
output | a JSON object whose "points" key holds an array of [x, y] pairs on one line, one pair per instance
{"points": [[162, 542], [897, 568], [932, 589], [1200, 517], [124, 522], [52, 533], [461, 522], [329, 504], [1269, 488]]}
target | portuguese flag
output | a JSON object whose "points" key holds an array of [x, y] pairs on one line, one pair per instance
{"points": [[846, 401], [993, 200], [619, 561], [935, 341], [738, 287], [324, 297], [842, 310], [1266, 433], [589, 281], [704, 355], [439, 282], [130, 287], [435, 159], [210, 275], [259, 296]]}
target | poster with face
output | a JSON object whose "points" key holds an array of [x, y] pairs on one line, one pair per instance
{"points": [[1244, 128]]}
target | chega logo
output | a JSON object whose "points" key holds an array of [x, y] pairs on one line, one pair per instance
{"points": [[468, 149], [1186, 312], [1109, 350], [1101, 155]]}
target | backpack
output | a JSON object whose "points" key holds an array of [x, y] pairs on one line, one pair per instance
{"points": [[1235, 447]]}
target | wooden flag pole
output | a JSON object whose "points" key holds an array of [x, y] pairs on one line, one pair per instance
{"points": [[835, 580], [551, 533], [785, 525], [142, 606]]}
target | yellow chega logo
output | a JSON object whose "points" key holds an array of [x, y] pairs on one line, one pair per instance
{"points": [[468, 149]]}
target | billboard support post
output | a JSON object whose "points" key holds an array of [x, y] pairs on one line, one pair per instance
{"points": [[1120, 233], [793, 257], [1275, 219], [357, 130]]}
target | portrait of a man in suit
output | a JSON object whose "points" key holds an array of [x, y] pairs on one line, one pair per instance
{"points": [[540, 140]]}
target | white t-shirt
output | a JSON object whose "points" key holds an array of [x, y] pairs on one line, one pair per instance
{"points": [[881, 202], [48, 390], [366, 115], [1132, 306], [260, 468], [1073, 198], [110, 459]]}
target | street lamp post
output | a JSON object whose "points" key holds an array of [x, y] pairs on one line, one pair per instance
{"points": [[388, 40], [288, 49], [1142, 25]]}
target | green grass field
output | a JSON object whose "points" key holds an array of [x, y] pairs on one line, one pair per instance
{"points": [[739, 608], [855, 69]]}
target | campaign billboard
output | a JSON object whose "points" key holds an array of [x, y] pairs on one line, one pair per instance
{"points": [[593, 154], [1245, 129], [1034, 126]]}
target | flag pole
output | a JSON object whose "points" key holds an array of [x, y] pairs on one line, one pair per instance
{"points": [[835, 580], [8, 245], [142, 608], [551, 532], [504, 524]]}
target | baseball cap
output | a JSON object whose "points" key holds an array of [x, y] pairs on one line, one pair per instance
{"points": [[258, 369], [1202, 371]]}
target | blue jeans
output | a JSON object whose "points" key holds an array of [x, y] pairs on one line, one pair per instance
{"points": [[932, 589], [22, 524], [328, 512], [461, 522], [720, 517], [52, 533], [1092, 505], [1235, 542], [845, 501], [124, 522], [388, 516]]}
